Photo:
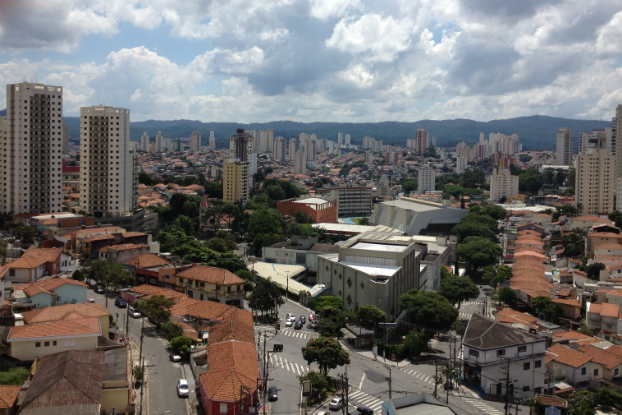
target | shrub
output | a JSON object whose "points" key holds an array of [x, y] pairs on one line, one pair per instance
{"points": [[171, 331], [14, 376]]}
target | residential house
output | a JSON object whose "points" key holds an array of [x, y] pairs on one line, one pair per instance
{"points": [[47, 293], [214, 284], [489, 347], [8, 399], [569, 365], [610, 363], [123, 252], [36, 263], [33, 341], [571, 307], [588, 221], [81, 382], [603, 320], [71, 312]]}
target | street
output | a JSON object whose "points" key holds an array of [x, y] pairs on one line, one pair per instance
{"points": [[161, 373]]}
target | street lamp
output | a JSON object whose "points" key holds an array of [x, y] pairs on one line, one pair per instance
{"points": [[287, 289]]}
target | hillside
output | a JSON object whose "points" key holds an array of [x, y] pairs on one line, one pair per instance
{"points": [[536, 132]]}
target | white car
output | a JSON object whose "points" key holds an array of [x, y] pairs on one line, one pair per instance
{"points": [[182, 388], [290, 316], [335, 403], [134, 313], [288, 323], [175, 357]]}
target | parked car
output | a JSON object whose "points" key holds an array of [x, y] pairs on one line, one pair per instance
{"points": [[182, 388], [315, 325], [336, 403], [175, 357], [272, 395], [298, 325], [311, 317], [363, 410], [134, 313], [303, 320], [290, 316], [120, 302], [99, 289], [288, 323]]}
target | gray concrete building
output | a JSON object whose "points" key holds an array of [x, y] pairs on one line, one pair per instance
{"points": [[371, 272], [416, 217]]}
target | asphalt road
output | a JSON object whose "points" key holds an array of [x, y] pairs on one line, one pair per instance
{"points": [[161, 373]]}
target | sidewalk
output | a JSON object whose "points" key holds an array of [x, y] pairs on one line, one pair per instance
{"points": [[135, 362], [370, 355]]}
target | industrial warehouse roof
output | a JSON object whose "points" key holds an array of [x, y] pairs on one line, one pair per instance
{"points": [[278, 274]]}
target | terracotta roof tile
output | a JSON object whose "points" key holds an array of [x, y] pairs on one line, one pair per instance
{"points": [[211, 274], [231, 330], [567, 356], [55, 329], [609, 310], [570, 302], [66, 312], [602, 357], [572, 335], [8, 395], [148, 261]]}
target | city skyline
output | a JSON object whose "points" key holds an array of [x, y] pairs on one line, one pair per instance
{"points": [[347, 61]]}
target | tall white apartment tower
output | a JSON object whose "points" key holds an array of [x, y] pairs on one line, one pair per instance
{"points": [[300, 162], [31, 138], [212, 140], [107, 164], [426, 179], [593, 180], [280, 148], [482, 137], [195, 141], [564, 147], [347, 143], [310, 152], [160, 143], [461, 164], [340, 139], [65, 139], [144, 142], [294, 143]]}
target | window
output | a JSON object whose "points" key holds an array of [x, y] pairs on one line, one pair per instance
{"points": [[473, 352], [46, 344], [223, 408], [583, 371], [526, 388], [616, 372], [595, 372], [537, 363], [522, 349], [526, 366], [70, 343], [501, 352], [54, 343], [37, 344]]}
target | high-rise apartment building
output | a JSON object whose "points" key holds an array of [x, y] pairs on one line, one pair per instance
{"points": [[65, 139], [461, 164], [108, 164], [594, 180], [160, 143], [294, 144], [195, 141], [212, 140], [280, 148], [300, 162], [421, 141], [31, 137], [144, 142], [564, 147], [347, 143], [502, 184], [310, 153], [237, 169], [410, 143], [426, 180], [340, 139]]}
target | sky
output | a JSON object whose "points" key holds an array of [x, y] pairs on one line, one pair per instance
{"points": [[320, 60]]}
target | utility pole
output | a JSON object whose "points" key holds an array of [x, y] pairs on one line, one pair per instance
{"points": [[389, 379], [265, 373], [142, 334], [343, 398], [347, 391], [141, 387], [435, 379], [507, 387], [127, 322], [287, 289]]}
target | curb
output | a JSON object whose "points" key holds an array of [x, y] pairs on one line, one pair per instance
{"points": [[380, 359]]}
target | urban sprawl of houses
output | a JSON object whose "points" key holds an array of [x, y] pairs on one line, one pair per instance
{"points": [[172, 275]]}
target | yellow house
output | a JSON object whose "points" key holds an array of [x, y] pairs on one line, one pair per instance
{"points": [[213, 284], [572, 308]]}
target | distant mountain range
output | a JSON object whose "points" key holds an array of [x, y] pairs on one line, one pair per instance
{"points": [[536, 132]]}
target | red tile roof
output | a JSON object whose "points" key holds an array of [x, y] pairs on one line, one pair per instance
{"points": [[148, 261], [35, 257], [8, 395], [567, 356], [66, 312], [602, 357], [609, 310], [55, 329], [211, 274]]}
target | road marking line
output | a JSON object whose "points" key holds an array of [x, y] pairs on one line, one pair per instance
{"points": [[355, 394], [362, 379]]}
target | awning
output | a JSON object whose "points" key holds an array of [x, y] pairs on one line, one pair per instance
{"points": [[347, 334]]}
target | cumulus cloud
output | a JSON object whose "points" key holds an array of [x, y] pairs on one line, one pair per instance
{"points": [[339, 60]]}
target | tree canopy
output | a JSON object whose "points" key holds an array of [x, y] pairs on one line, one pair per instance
{"points": [[266, 227], [508, 296], [266, 296], [326, 352], [428, 309], [158, 307], [369, 315], [458, 289], [476, 223], [112, 276], [478, 252]]}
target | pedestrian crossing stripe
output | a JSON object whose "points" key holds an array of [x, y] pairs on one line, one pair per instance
{"points": [[280, 362], [420, 376], [298, 334], [480, 405], [364, 399], [473, 303], [467, 315]]}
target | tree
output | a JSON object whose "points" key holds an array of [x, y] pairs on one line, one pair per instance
{"points": [[458, 289], [14, 376], [415, 343], [319, 382], [581, 403], [364, 221], [265, 227], [508, 296], [171, 330], [494, 211], [145, 179], [478, 252], [583, 328], [593, 270], [158, 307], [616, 216], [78, 275], [190, 209], [369, 315], [24, 233], [573, 243], [181, 345], [551, 310], [275, 193], [213, 190], [326, 352], [112, 276], [476, 223], [445, 272], [266, 296], [186, 224], [428, 309], [318, 304], [504, 273]]}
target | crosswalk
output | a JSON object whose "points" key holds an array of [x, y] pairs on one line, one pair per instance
{"points": [[298, 334], [420, 376], [473, 303], [466, 315], [360, 398], [481, 406], [280, 362]]}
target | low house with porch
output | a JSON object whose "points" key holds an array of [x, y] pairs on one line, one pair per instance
{"points": [[48, 293], [569, 365], [35, 263]]}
